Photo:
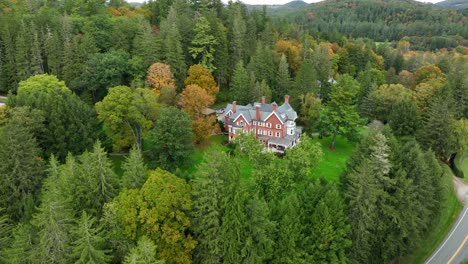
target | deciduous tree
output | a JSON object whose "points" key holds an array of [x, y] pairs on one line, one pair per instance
{"points": [[128, 115]]}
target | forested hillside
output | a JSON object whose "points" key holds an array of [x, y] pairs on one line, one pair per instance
{"points": [[453, 4], [108, 154], [426, 26]]}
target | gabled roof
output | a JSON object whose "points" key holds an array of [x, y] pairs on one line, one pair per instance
{"points": [[284, 112]]}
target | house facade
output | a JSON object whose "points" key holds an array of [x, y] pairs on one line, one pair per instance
{"points": [[275, 126]]}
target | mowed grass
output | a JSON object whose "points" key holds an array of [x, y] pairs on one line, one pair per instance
{"points": [[334, 161], [448, 215]]}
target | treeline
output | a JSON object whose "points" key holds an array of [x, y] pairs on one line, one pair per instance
{"points": [[428, 27]]}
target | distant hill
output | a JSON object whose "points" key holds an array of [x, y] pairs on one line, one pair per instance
{"points": [[383, 20], [288, 6], [454, 4]]}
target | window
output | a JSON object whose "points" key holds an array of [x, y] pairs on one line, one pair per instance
{"points": [[270, 134], [278, 126], [264, 132], [254, 123], [269, 125], [277, 134], [242, 123], [259, 132]]}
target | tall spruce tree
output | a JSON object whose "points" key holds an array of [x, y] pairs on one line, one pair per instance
{"points": [[88, 242], [203, 44], [53, 219], [284, 83], [135, 171], [240, 85], [171, 47]]}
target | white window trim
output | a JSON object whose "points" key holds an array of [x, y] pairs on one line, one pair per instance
{"points": [[277, 134], [270, 133], [269, 125], [278, 126]]}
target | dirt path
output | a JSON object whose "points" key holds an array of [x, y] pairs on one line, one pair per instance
{"points": [[461, 188]]}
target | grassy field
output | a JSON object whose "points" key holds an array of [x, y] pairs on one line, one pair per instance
{"points": [[449, 215], [334, 161]]}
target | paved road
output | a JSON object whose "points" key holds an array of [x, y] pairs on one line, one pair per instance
{"points": [[454, 249]]}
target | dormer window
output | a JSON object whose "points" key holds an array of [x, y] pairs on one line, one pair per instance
{"points": [[242, 123]]}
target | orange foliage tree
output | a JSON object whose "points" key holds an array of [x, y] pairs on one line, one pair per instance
{"points": [[292, 50], [428, 72], [201, 76], [159, 76], [194, 100]]}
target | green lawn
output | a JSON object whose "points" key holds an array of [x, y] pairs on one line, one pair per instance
{"points": [[447, 218], [333, 161]]}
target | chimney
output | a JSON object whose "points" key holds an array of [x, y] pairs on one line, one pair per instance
{"points": [[234, 107], [263, 99], [286, 99], [257, 112], [275, 107]]}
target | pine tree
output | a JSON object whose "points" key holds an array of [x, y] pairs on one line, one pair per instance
{"points": [[97, 183], [263, 65], [54, 53], [53, 219], [21, 168], [306, 80], [323, 67], [283, 80], [172, 47], [134, 168], [23, 53], [36, 66], [5, 231], [207, 212], [437, 131], [237, 32], [88, 242], [203, 44], [288, 235], [258, 247], [240, 85], [144, 44], [234, 220], [21, 249], [144, 252]]}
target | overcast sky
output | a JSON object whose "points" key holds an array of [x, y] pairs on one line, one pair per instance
{"points": [[279, 2]]}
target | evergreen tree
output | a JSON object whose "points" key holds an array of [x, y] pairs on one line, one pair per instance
{"points": [[263, 65], [288, 235], [5, 231], [237, 32], [134, 175], [437, 131], [144, 252], [96, 183], [404, 118], [23, 53], [240, 85], [203, 44], [21, 168], [54, 53], [323, 67], [259, 242], [21, 249], [306, 80], [283, 80], [88, 242], [207, 212], [234, 220], [171, 46], [144, 44], [53, 219]]}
